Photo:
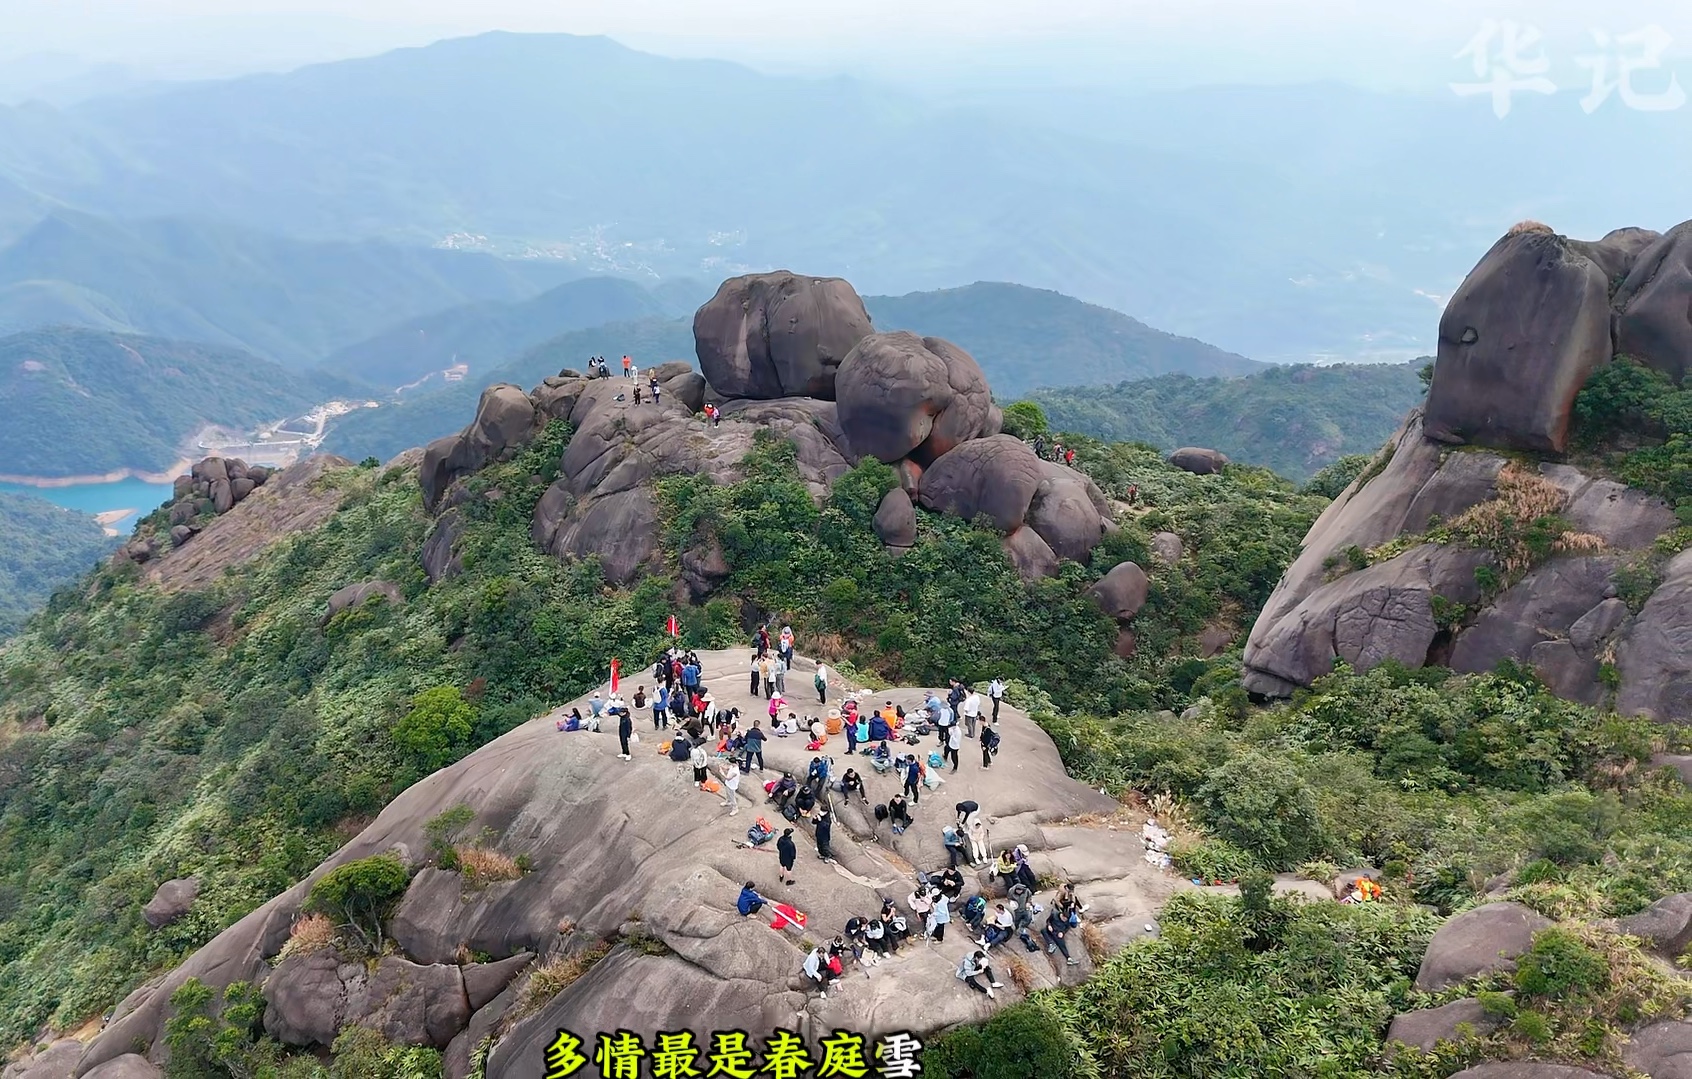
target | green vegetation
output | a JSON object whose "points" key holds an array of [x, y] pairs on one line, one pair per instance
{"points": [[359, 893], [42, 547], [80, 402], [1639, 424], [1296, 420], [1024, 337]]}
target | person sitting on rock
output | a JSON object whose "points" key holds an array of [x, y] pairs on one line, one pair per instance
{"points": [[974, 913], [816, 969], [1055, 931], [897, 928], [596, 705], [1025, 871], [955, 850], [951, 882], [920, 903], [804, 801], [875, 937], [784, 790], [975, 967], [898, 814], [750, 902], [1000, 929], [1005, 868], [1072, 902], [851, 783], [572, 722]]}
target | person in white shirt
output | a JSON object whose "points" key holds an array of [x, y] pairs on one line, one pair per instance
{"points": [[731, 787], [996, 691], [821, 682], [971, 709]]}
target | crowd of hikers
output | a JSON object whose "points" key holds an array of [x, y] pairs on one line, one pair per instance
{"points": [[716, 748]]}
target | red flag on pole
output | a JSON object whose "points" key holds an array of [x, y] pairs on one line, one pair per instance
{"points": [[672, 628], [615, 672], [785, 916]]}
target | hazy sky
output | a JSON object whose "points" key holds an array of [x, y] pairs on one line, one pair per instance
{"points": [[1082, 41]]}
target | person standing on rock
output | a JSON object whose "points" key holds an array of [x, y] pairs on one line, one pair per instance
{"points": [[939, 916], [996, 693], [954, 742], [763, 641], [825, 829], [660, 707], [731, 787], [788, 852], [657, 391], [765, 674], [786, 644], [700, 761], [628, 367], [752, 688], [754, 747], [821, 682], [625, 728], [971, 708], [913, 779], [779, 672]]}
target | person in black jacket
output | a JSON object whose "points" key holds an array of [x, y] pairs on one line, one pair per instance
{"points": [[788, 852], [825, 826], [625, 727]]}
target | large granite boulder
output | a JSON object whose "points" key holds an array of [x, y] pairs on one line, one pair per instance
{"points": [[309, 998], [172, 900], [895, 519], [505, 420], [1516, 343], [901, 395], [1198, 460], [128, 1066], [1541, 607], [778, 335], [1426, 1028], [1665, 926], [1654, 305], [1001, 479], [1477, 941], [440, 555], [1122, 592], [56, 1061], [1618, 252], [1654, 657]]}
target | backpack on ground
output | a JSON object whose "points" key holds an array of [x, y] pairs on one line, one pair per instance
{"points": [[881, 811], [935, 760]]}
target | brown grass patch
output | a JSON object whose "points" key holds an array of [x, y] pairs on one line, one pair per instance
{"points": [[1097, 946], [1530, 226], [1524, 497], [1019, 974], [482, 866], [831, 648], [312, 933], [554, 976]]}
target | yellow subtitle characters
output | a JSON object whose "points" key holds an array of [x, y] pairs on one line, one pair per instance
{"points": [[785, 1056], [673, 1056], [843, 1055], [564, 1056], [730, 1055], [619, 1055]]}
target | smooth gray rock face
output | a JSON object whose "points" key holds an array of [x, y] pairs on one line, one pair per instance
{"points": [[1166, 548], [1543, 605], [1425, 1029], [778, 335], [505, 420], [1624, 518], [1516, 343], [1665, 926], [1655, 653], [57, 1061], [1031, 555], [1654, 305], [895, 519], [1199, 460], [1122, 592], [440, 551], [128, 1066], [1618, 252], [1367, 617], [1595, 626], [171, 901], [1484, 939], [309, 998], [901, 395], [621, 528], [1662, 1050]]}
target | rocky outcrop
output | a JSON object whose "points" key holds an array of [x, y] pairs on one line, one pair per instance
{"points": [[440, 555], [778, 335], [1426, 1028], [356, 595], [172, 900], [505, 420], [1654, 305], [1618, 252], [310, 997], [610, 842], [999, 478], [1662, 1050], [1199, 461], [1654, 658], [1484, 939], [1516, 343], [1166, 548], [213, 486], [128, 1066], [901, 396], [56, 1061], [1665, 926], [1122, 592], [1560, 617], [895, 519]]}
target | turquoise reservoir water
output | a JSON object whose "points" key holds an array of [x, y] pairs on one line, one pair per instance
{"points": [[135, 495]]}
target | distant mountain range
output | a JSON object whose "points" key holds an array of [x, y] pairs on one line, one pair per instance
{"points": [[609, 160], [1292, 419], [77, 402], [1022, 337], [290, 301]]}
